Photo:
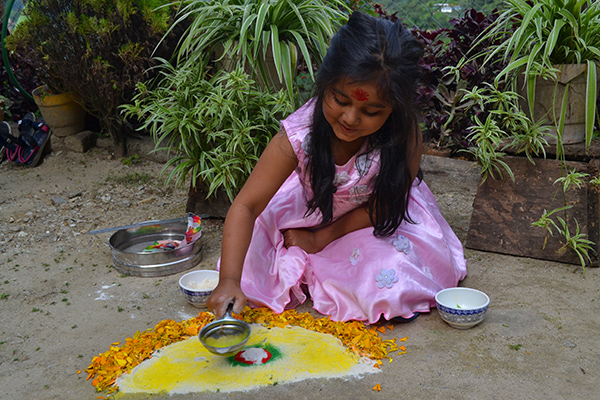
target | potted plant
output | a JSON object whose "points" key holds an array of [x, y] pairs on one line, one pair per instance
{"points": [[267, 38], [97, 50], [60, 111], [215, 130], [555, 43]]}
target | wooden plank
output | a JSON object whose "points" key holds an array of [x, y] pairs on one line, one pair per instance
{"points": [[503, 212]]}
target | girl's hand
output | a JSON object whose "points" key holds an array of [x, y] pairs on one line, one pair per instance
{"points": [[303, 238], [228, 291]]}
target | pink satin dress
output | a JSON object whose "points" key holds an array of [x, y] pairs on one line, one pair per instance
{"points": [[358, 276]]}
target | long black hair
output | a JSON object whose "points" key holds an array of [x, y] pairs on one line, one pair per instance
{"points": [[370, 49]]}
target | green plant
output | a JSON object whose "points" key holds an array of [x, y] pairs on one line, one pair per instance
{"points": [[505, 126], [249, 31], [447, 72], [133, 159], [488, 136], [97, 49], [576, 242], [18, 71], [216, 126], [536, 38]]}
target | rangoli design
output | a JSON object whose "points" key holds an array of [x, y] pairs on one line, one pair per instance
{"points": [[282, 348]]}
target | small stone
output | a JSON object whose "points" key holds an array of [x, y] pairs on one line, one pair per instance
{"points": [[41, 236], [81, 142], [58, 200]]}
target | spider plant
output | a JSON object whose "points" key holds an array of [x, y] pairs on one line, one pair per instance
{"points": [[552, 221], [538, 37], [250, 31], [215, 127], [505, 126]]}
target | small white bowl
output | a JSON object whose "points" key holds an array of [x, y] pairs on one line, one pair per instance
{"points": [[194, 296], [462, 307]]}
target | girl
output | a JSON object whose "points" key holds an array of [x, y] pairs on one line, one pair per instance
{"points": [[335, 207]]}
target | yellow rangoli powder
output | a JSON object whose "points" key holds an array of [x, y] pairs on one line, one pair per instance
{"points": [[187, 367]]}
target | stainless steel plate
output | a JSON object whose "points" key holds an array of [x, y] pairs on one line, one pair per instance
{"points": [[127, 247]]}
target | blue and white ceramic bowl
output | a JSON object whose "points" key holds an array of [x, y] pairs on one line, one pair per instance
{"points": [[196, 286], [462, 307]]}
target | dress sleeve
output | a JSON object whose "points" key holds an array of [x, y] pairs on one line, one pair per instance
{"points": [[297, 127]]}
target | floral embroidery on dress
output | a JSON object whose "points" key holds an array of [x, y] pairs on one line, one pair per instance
{"points": [[362, 164], [341, 178], [355, 257], [402, 244], [427, 272], [386, 278], [359, 194]]}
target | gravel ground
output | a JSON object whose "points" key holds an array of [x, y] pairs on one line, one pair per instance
{"points": [[62, 302]]}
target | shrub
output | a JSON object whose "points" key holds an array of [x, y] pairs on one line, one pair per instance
{"points": [[24, 69], [216, 128], [449, 73], [268, 38], [97, 49]]}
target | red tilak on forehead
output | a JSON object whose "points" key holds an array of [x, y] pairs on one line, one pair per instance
{"points": [[360, 94]]}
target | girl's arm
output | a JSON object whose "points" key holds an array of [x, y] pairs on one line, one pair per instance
{"points": [[313, 241], [272, 169]]}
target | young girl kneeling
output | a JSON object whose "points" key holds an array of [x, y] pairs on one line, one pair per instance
{"points": [[335, 207]]}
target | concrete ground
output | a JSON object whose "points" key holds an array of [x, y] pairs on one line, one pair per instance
{"points": [[62, 302]]}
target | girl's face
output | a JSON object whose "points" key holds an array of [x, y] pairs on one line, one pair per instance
{"points": [[354, 110]]}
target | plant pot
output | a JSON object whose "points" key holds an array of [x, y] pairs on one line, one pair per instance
{"points": [[504, 211], [60, 112], [546, 108]]}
